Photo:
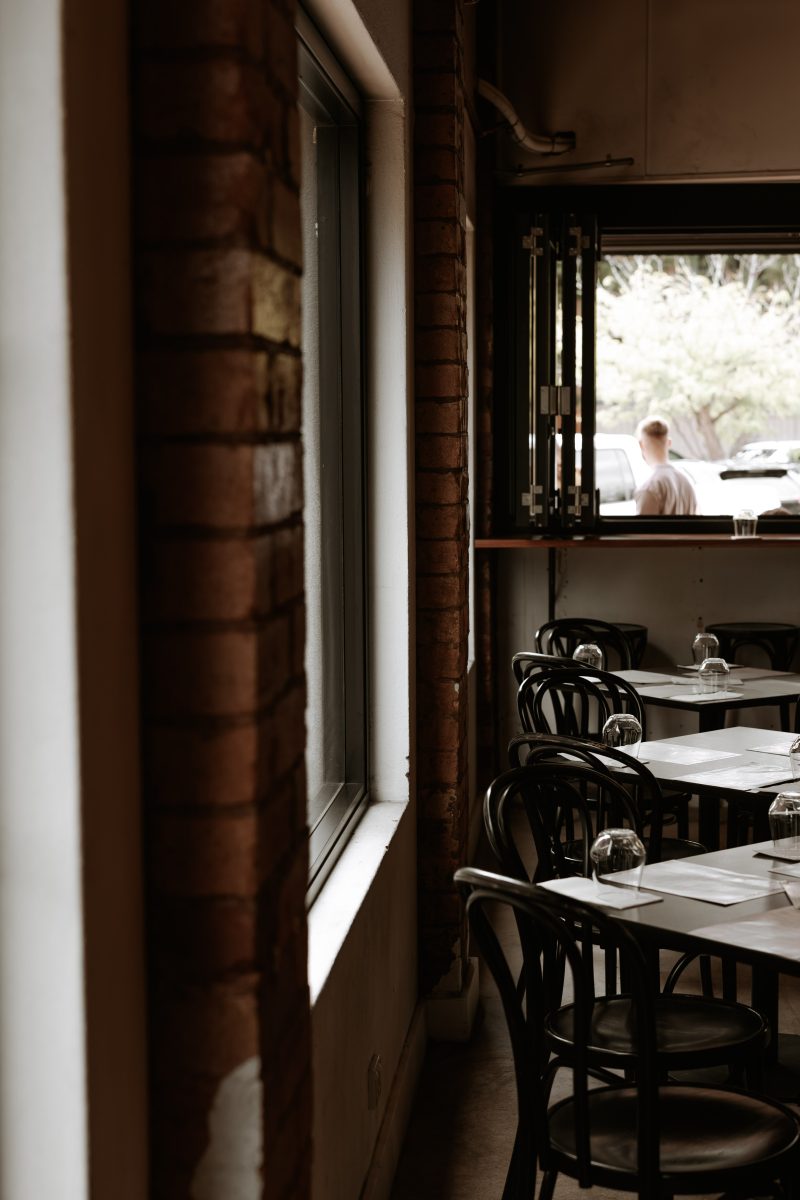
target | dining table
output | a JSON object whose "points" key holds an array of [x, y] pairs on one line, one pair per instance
{"points": [[739, 761], [746, 687], [762, 931]]}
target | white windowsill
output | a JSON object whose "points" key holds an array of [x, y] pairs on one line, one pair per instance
{"points": [[347, 887]]}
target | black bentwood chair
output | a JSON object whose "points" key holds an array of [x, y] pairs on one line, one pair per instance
{"points": [[638, 1134], [576, 701], [645, 791], [563, 636], [526, 661], [549, 782]]}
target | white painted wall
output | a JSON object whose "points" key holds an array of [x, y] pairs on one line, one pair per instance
{"points": [[687, 89], [43, 1103], [668, 590], [362, 926], [71, 1027]]}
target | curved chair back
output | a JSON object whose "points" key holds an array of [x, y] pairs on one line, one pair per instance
{"points": [[646, 797], [563, 635], [551, 795], [575, 700], [526, 661]]}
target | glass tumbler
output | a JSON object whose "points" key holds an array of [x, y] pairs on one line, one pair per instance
{"points": [[713, 675], [623, 731], [794, 758], [705, 645], [617, 850], [745, 523], [784, 820], [590, 655]]}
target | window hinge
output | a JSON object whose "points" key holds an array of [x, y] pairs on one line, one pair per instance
{"points": [[580, 500], [531, 240], [527, 500], [581, 241], [555, 400]]}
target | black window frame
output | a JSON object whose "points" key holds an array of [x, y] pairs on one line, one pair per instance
{"points": [[535, 227], [329, 97]]}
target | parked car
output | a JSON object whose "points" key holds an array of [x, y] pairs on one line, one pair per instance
{"points": [[777, 453], [618, 470], [722, 489]]}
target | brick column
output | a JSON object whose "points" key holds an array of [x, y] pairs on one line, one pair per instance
{"points": [[441, 484], [218, 265], [490, 758]]}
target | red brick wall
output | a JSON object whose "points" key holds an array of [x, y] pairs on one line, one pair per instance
{"points": [[490, 758], [218, 264], [441, 478]]}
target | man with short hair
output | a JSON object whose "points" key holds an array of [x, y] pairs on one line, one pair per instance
{"points": [[667, 491]]}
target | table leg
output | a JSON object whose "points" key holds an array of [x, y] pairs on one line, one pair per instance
{"points": [[708, 821], [710, 718]]}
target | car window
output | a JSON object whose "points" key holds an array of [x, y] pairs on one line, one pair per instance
{"points": [[613, 476]]}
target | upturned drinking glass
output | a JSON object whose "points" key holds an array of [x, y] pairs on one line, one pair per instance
{"points": [[623, 731], [794, 758], [713, 675], [590, 654], [784, 820], [705, 645], [617, 850], [745, 523]]}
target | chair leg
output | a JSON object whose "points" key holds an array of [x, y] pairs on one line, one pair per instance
{"points": [[729, 987], [682, 814], [610, 958], [706, 984], [548, 1185]]}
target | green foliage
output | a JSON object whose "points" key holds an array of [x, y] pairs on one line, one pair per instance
{"points": [[710, 341]]}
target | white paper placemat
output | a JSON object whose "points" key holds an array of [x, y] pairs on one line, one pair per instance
{"points": [[785, 868], [778, 745], [704, 697], [606, 895], [682, 877], [650, 678], [746, 777], [784, 850], [661, 752], [760, 672], [776, 932]]}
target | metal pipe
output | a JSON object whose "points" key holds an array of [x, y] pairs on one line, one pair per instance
{"points": [[538, 143]]}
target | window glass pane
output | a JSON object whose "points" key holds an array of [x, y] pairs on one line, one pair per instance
{"points": [[711, 342], [333, 464], [315, 764]]}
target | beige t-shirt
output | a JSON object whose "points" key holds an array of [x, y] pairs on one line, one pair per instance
{"points": [[667, 492]]}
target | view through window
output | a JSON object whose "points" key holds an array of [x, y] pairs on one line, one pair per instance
{"points": [[712, 344], [647, 363]]}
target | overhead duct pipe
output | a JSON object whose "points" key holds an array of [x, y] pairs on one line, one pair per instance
{"points": [[553, 144]]}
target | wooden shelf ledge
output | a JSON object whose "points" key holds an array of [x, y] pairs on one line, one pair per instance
{"points": [[635, 541]]}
